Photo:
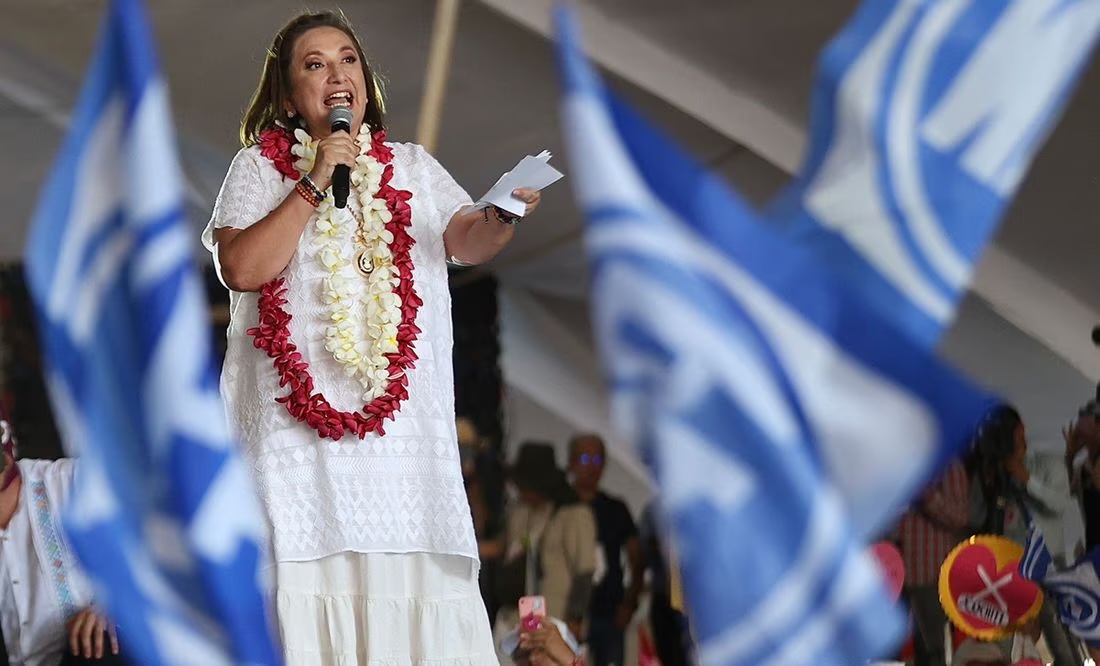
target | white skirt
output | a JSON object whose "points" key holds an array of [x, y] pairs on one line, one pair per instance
{"points": [[383, 609]]}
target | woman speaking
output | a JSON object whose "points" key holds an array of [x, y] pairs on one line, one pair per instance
{"points": [[337, 379]]}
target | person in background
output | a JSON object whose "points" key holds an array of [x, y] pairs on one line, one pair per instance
{"points": [[671, 632], [479, 480], [548, 546], [548, 643], [470, 447], [613, 606], [1014, 486], [47, 616], [1082, 439], [934, 524]]}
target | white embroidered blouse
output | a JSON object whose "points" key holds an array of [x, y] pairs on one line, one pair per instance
{"points": [[398, 493], [40, 585]]}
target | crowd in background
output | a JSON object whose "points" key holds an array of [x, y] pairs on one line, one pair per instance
{"points": [[550, 530], [1000, 487], [556, 534]]}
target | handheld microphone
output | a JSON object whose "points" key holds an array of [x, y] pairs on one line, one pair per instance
{"points": [[340, 119]]}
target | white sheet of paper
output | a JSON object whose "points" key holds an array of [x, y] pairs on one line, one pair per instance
{"points": [[532, 172]]}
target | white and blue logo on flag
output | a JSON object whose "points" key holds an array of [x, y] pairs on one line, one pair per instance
{"points": [[162, 516], [1076, 590], [926, 115], [786, 420]]}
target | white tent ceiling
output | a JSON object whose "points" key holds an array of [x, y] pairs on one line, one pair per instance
{"points": [[731, 80]]}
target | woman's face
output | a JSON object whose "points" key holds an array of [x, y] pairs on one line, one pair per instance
{"points": [[325, 73], [1021, 442]]}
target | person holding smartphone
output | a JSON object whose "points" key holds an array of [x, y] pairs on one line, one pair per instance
{"points": [[548, 546], [541, 640], [545, 646]]}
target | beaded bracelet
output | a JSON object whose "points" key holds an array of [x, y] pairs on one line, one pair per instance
{"points": [[504, 216], [317, 193], [303, 190]]}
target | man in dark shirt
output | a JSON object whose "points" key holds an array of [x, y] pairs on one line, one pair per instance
{"points": [[612, 605]]}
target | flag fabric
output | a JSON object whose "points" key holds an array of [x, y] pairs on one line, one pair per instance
{"points": [[1037, 560], [785, 419], [163, 517], [926, 115], [1076, 589]]}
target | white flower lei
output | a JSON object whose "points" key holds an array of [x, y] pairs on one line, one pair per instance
{"points": [[358, 338]]}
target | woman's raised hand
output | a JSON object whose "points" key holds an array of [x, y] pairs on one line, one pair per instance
{"points": [[336, 148]]}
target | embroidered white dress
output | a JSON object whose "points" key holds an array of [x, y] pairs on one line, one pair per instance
{"points": [[400, 493]]}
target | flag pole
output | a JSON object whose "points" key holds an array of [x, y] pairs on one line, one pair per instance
{"points": [[439, 64]]}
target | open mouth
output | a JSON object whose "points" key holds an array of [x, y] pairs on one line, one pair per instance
{"points": [[339, 99]]}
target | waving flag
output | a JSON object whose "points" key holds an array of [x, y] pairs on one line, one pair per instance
{"points": [[926, 116], [1076, 590], [163, 517], [785, 420]]}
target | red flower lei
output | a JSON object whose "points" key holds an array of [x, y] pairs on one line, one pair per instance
{"points": [[275, 145], [273, 333]]}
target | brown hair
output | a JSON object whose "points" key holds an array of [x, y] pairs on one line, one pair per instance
{"points": [[266, 108]]}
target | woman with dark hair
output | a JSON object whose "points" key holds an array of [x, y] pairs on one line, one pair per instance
{"points": [[1017, 483], [337, 375], [1019, 486], [997, 463]]}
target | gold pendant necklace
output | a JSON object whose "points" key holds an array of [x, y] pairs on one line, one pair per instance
{"points": [[364, 262]]}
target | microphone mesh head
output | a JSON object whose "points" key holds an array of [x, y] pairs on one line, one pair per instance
{"points": [[340, 118]]}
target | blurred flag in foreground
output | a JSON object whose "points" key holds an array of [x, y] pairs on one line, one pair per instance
{"points": [[781, 388], [163, 516], [926, 115]]}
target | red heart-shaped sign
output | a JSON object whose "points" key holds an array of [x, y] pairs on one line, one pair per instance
{"points": [[982, 590]]}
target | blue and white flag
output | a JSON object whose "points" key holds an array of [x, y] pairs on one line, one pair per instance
{"points": [[1037, 560], [163, 516], [785, 420], [1076, 590], [926, 116]]}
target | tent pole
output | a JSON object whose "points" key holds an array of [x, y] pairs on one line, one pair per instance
{"points": [[435, 81]]}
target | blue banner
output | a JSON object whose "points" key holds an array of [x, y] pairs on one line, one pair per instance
{"points": [[163, 515], [926, 115], [775, 370]]}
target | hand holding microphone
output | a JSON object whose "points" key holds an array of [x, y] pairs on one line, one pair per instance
{"points": [[335, 154]]}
